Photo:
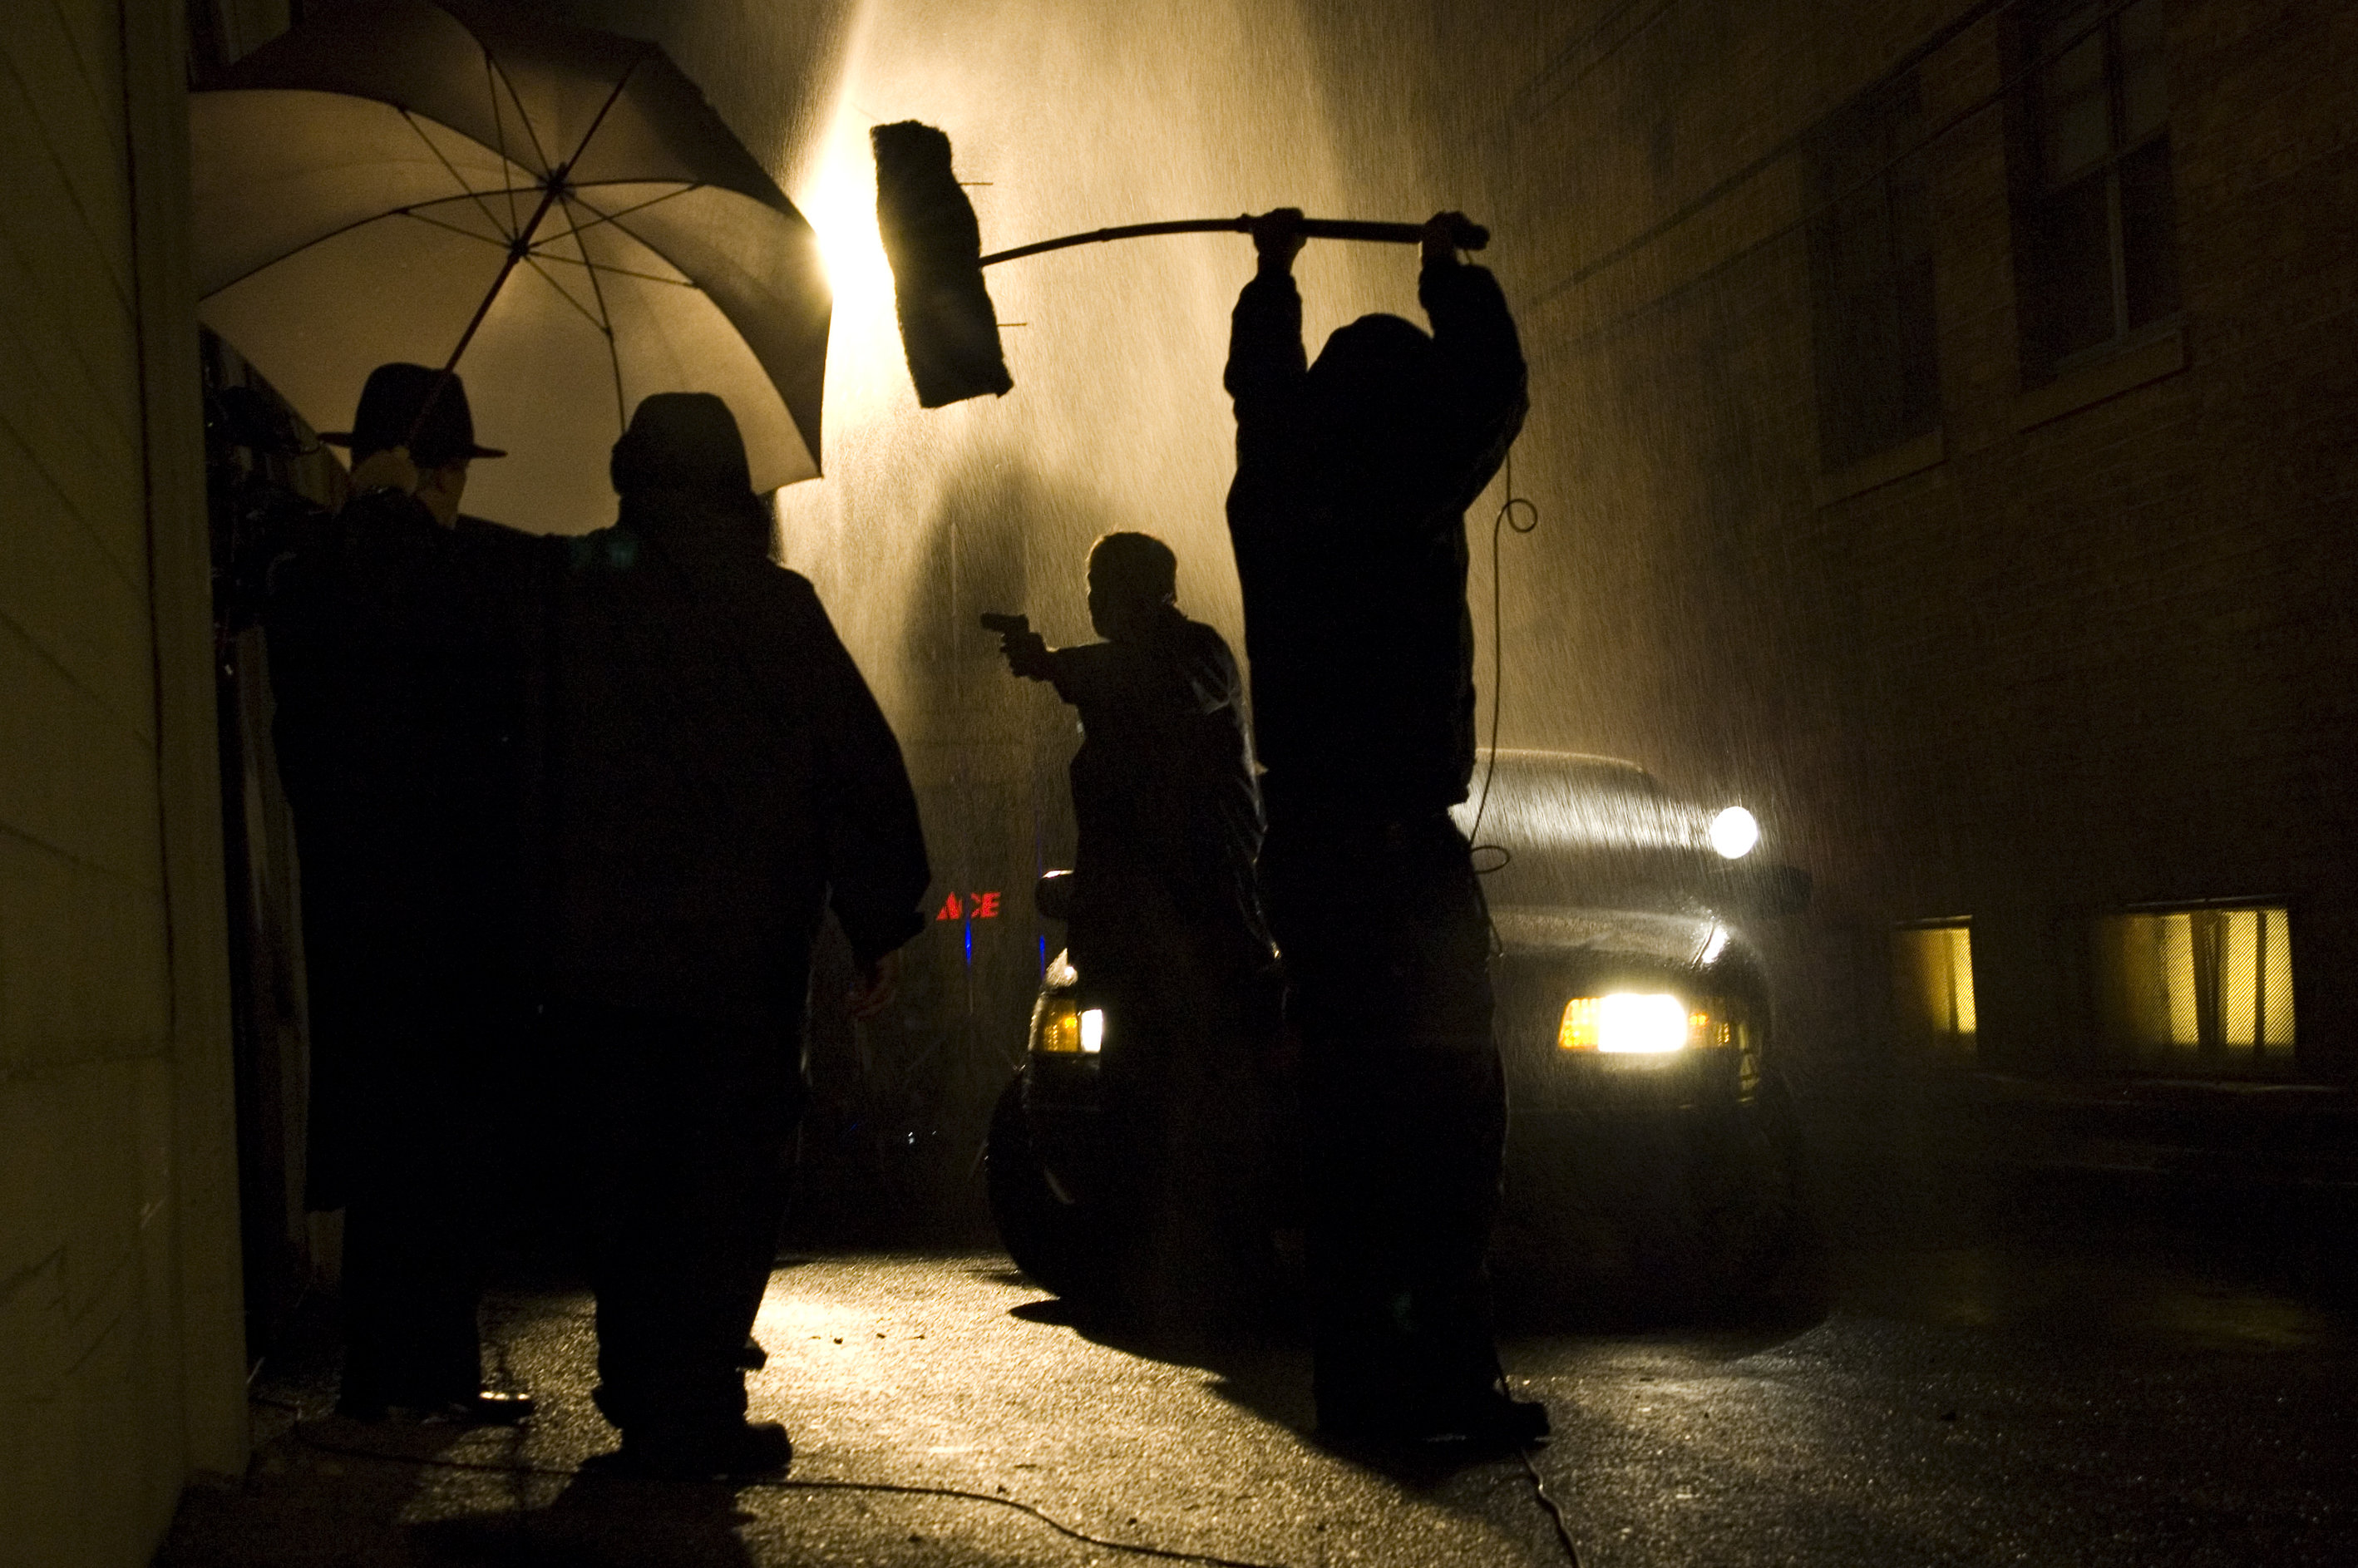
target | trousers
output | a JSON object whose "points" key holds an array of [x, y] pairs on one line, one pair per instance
{"points": [[417, 1192], [684, 1133], [1188, 1101], [1387, 944]]}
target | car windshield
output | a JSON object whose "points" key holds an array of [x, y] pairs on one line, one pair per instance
{"points": [[1587, 832]]}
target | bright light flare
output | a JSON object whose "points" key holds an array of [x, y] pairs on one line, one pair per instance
{"points": [[841, 207], [1626, 1024], [1733, 832], [1092, 1031], [1641, 1025]]}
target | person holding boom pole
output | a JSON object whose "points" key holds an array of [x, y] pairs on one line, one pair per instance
{"points": [[1347, 519]]}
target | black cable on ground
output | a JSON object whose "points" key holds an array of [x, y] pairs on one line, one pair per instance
{"points": [[1539, 1485], [1556, 1514], [785, 1484]]}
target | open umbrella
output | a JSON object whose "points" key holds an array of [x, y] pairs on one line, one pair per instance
{"points": [[419, 179]]}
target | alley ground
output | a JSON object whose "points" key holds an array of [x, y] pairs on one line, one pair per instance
{"points": [[2105, 1391]]}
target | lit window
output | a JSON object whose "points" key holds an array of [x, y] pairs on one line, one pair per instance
{"points": [[1932, 975], [2096, 252], [2207, 984]]}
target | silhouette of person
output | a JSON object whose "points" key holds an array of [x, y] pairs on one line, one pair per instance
{"points": [[1347, 518], [1166, 919], [719, 776], [398, 680]]}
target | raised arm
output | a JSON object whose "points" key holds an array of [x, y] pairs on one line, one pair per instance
{"points": [[1481, 354], [1267, 366]]}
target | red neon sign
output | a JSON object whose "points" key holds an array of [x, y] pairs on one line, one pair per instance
{"points": [[979, 906]]}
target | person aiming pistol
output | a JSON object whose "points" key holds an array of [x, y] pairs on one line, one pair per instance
{"points": [[1165, 915]]}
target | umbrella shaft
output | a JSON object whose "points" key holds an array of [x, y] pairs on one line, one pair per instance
{"points": [[517, 250]]}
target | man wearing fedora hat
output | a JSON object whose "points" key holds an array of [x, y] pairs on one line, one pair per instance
{"points": [[414, 434], [396, 661]]}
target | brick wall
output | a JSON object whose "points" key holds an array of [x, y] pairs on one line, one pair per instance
{"points": [[121, 1360], [2079, 661]]}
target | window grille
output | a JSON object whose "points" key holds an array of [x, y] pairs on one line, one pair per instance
{"points": [[2096, 245], [2210, 985]]}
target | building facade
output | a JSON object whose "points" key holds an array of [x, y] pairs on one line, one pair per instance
{"points": [[1946, 414]]}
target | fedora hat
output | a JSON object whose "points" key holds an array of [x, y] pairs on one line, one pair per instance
{"points": [[410, 405]]}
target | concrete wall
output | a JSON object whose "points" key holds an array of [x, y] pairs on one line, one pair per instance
{"points": [[121, 1347]]}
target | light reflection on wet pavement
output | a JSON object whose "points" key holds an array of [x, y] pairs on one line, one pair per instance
{"points": [[2094, 1402]]}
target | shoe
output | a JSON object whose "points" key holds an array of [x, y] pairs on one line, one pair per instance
{"points": [[495, 1407], [750, 1452], [1497, 1420], [753, 1358], [1490, 1423]]}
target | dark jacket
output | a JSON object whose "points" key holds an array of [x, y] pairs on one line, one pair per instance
{"points": [[1164, 792], [398, 672], [1348, 527], [398, 664], [719, 773]]}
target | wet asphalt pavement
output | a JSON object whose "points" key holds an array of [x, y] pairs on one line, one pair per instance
{"points": [[2092, 1400]]}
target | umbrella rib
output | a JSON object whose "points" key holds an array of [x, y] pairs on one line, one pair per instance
{"points": [[600, 118], [613, 349], [499, 129], [343, 229], [567, 294], [604, 217], [469, 195], [642, 239], [452, 170], [608, 268], [492, 64], [432, 222]]}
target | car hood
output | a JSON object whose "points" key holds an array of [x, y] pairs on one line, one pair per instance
{"points": [[1685, 941]]}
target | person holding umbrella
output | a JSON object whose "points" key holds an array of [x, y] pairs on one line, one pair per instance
{"points": [[554, 210], [399, 698]]}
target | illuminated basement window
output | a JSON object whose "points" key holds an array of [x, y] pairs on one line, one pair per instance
{"points": [[1932, 972], [2210, 985]]}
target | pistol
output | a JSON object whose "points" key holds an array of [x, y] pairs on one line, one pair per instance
{"points": [[1005, 624]]}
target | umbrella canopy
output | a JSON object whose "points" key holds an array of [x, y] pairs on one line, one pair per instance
{"points": [[398, 178]]}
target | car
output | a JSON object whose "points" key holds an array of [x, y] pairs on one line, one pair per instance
{"points": [[1652, 1147], [1653, 1154]]}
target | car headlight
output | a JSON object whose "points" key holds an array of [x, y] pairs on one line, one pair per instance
{"points": [[1068, 1029], [1638, 1024], [1733, 832]]}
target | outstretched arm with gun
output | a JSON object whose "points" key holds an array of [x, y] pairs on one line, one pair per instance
{"points": [[1026, 650]]}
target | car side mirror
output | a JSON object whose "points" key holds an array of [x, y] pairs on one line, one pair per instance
{"points": [[1051, 895]]}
